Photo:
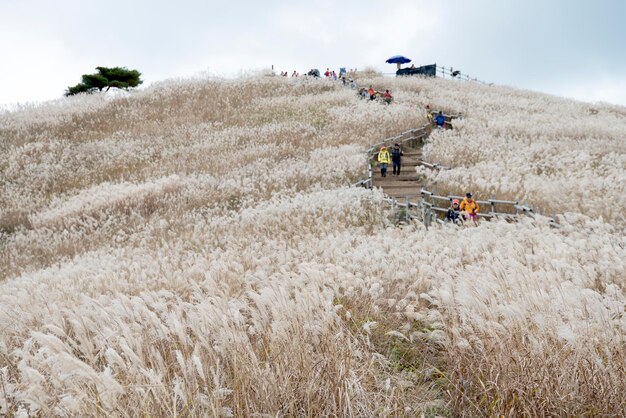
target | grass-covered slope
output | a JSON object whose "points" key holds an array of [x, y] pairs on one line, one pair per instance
{"points": [[557, 154], [192, 249]]}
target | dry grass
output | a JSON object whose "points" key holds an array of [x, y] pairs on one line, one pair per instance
{"points": [[192, 250], [12, 221], [570, 381], [518, 145]]}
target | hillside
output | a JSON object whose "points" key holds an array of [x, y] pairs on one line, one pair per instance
{"points": [[194, 249]]}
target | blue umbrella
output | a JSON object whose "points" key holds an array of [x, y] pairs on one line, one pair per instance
{"points": [[398, 59]]}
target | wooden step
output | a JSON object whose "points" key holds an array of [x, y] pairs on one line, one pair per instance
{"points": [[408, 161], [403, 177], [408, 183], [404, 171], [401, 193], [400, 185]]}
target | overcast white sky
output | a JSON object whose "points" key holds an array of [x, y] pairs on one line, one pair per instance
{"points": [[572, 48]]}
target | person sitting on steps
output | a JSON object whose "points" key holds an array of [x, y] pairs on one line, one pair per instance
{"points": [[454, 213], [387, 97], [440, 119], [470, 206], [372, 93], [396, 158], [383, 159]]}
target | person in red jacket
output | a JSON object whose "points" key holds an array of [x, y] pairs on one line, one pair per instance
{"points": [[387, 97]]}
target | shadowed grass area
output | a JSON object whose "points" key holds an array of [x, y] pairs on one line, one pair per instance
{"points": [[407, 355]]}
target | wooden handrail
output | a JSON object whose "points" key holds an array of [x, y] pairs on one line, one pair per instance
{"points": [[427, 207]]}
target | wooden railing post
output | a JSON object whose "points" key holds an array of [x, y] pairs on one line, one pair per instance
{"points": [[369, 169], [406, 212]]}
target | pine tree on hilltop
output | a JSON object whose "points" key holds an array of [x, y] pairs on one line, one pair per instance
{"points": [[105, 78]]}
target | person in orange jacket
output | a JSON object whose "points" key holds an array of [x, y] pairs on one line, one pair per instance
{"points": [[372, 93], [470, 206]]}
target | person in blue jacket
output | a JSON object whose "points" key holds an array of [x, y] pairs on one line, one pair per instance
{"points": [[396, 159], [440, 120]]}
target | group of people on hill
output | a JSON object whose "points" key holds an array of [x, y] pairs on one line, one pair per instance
{"points": [[343, 74], [386, 157], [461, 212], [347, 79], [372, 94], [285, 74]]}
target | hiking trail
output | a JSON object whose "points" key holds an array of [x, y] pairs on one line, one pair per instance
{"points": [[408, 183]]}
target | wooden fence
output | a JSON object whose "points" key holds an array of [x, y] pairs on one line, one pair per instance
{"points": [[428, 209], [450, 72], [443, 72], [412, 138], [431, 208]]}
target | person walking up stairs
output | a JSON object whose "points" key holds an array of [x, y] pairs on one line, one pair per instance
{"points": [[396, 158], [383, 159]]}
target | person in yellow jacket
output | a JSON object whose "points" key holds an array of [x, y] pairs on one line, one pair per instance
{"points": [[429, 114], [470, 206], [384, 159]]}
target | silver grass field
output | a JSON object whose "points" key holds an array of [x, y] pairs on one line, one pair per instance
{"points": [[194, 249]]}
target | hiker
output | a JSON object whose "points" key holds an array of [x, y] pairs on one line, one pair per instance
{"points": [[294, 74], [387, 97], [454, 213], [343, 80], [327, 73], [470, 206], [352, 84], [440, 119], [334, 75], [383, 159], [372, 93], [396, 159], [429, 114], [364, 94]]}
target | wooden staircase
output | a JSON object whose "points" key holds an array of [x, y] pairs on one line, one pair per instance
{"points": [[408, 183]]}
